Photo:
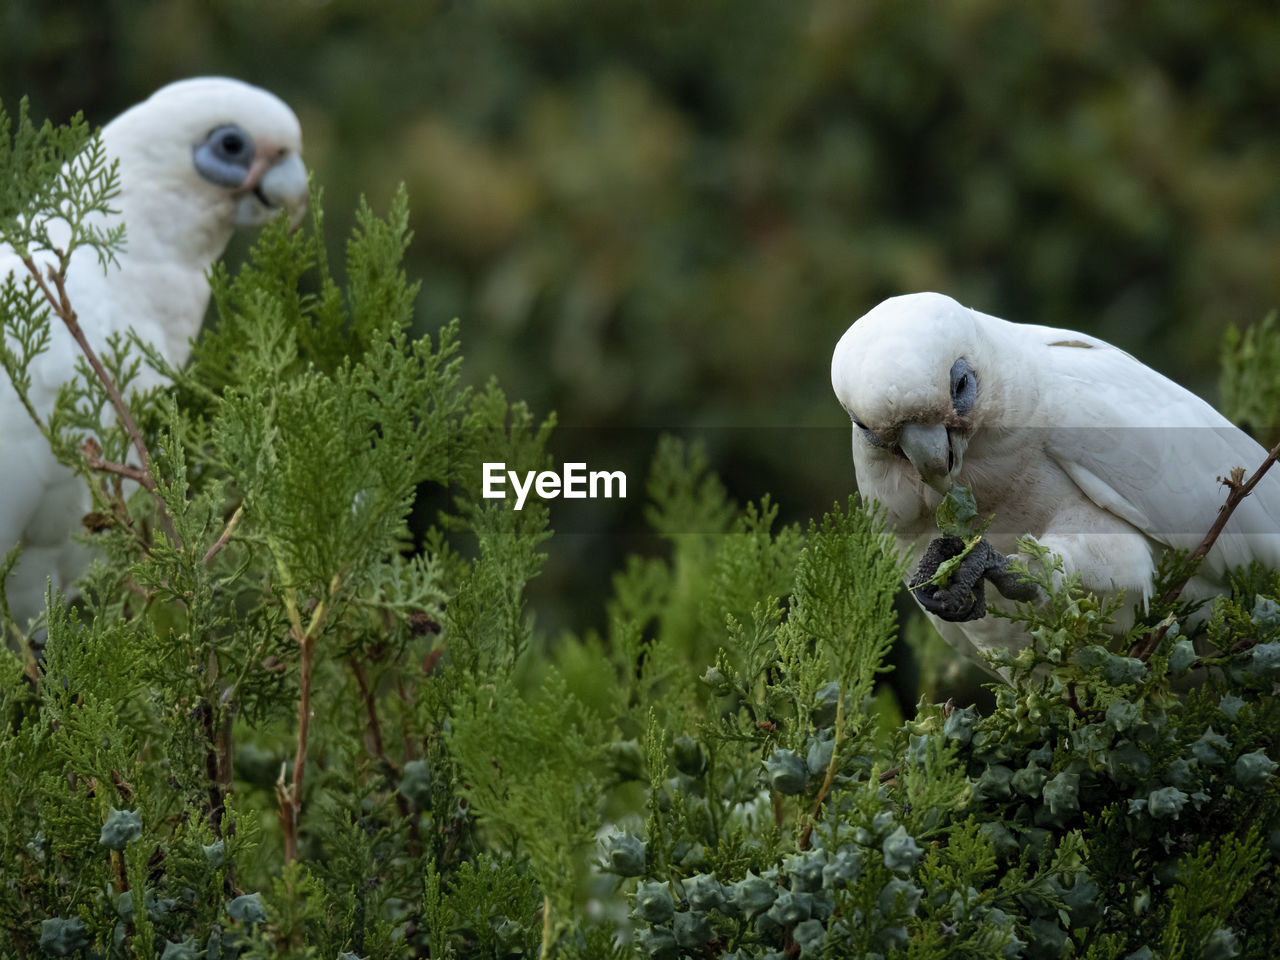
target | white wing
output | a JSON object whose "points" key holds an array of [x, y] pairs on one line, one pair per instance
{"points": [[180, 208], [1147, 451]]}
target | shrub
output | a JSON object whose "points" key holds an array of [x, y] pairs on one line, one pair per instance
{"points": [[273, 725]]}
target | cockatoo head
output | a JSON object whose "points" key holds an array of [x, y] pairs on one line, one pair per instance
{"points": [[206, 156], [910, 374]]}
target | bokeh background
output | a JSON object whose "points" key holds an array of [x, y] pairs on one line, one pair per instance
{"points": [[661, 214]]}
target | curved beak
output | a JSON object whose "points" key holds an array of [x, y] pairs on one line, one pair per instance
{"points": [[271, 185], [928, 446]]}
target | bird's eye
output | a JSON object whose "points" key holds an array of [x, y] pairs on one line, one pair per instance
{"points": [[224, 156], [867, 432], [964, 386]]}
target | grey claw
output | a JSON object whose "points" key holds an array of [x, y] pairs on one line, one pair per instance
{"points": [[964, 598], [1010, 584]]}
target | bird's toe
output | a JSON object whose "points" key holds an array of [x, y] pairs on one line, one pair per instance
{"points": [[962, 598], [956, 604], [1013, 585]]}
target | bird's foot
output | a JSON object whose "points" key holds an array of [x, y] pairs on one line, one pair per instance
{"points": [[1011, 584], [964, 597]]}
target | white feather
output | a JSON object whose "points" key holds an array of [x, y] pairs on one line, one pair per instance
{"points": [[177, 224], [1070, 440]]}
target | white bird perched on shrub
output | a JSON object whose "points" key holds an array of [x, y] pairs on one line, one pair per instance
{"points": [[197, 160], [1059, 436]]}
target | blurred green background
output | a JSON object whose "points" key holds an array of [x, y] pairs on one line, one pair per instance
{"points": [[662, 215]]}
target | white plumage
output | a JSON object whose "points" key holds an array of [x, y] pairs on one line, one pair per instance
{"points": [[198, 159], [1060, 435]]}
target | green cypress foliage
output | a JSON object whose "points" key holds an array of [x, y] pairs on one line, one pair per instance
{"points": [[275, 726]]}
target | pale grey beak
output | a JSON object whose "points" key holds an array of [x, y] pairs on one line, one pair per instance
{"points": [[928, 447], [272, 188]]}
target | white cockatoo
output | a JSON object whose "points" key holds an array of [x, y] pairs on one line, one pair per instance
{"points": [[197, 160], [1059, 436]]}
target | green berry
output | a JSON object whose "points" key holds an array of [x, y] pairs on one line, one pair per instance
{"points": [[626, 759], [805, 870], [692, 930], [844, 869], [1254, 769], [1181, 657], [1062, 794], [994, 784], [752, 895], [901, 852], [1230, 705], [688, 756], [415, 784], [790, 908], [1029, 780], [960, 724], [247, 909], [188, 949], [787, 773], [1166, 802], [625, 855], [653, 903], [215, 853], [60, 937], [898, 897], [1221, 945], [818, 756], [825, 703], [659, 943], [809, 936], [704, 892], [1211, 749], [121, 828], [1266, 658]]}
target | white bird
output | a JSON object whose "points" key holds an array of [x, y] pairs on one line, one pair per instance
{"points": [[197, 160], [1059, 435]]}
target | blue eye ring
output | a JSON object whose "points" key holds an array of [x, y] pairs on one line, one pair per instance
{"points": [[964, 386], [224, 156]]}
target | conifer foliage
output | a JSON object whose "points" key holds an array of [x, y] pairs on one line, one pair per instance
{"points": [[274, 725]]}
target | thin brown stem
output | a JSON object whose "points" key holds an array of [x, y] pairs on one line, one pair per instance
{"points": [[214, 767], [60, 303], [290, 796], [375, 743], [121, 876], [405, 739], [126, 470], [371, 710], [288, 816], [226, 534], [779, 813], [1073, 701], [306, 655], [825, 789], [1237, 490], [1151, 640], [122, 884]]}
